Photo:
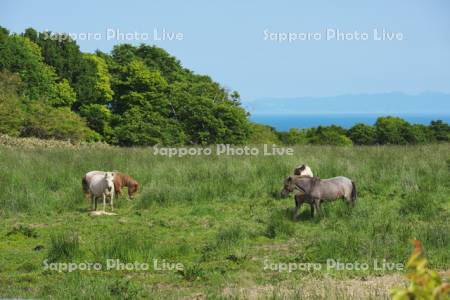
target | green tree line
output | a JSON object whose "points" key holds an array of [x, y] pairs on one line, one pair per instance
{"points": [[135, 95], [141, 95], [386, 131]]}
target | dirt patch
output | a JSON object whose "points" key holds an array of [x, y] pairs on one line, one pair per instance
{"points": [[327, 288], [96, 213]]}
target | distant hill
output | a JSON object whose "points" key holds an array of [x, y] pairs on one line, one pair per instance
{"points": [[383, 103]]}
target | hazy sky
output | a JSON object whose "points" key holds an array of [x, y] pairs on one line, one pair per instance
{"points": [[226, 40]]}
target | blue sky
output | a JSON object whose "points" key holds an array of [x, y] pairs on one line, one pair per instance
{"points": [[226, 41]]}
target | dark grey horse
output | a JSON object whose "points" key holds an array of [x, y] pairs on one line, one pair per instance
{"points": [[317, 190]]}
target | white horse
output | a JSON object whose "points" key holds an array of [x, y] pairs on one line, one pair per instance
{"points": [[303, 170], [102, 185]]}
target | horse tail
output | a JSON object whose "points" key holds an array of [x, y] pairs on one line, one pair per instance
{"points": [[85, 185], [353, 195]]}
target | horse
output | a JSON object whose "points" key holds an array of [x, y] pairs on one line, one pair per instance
{"points": [[86, 180], [102, 185], [120, 180], [300, 197], [317, 190], [303, 170]]}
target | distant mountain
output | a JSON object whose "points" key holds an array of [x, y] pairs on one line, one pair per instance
{"points": [[383, 103]]}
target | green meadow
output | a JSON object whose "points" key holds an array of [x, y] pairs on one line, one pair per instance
{"points": [[222, 220]]}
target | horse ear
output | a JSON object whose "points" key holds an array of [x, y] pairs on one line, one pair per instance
{"points": [[289, 178]]}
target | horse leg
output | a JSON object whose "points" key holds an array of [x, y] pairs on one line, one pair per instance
{"points": [[94, 200], [317, 206], [112, 201], [312, 209], [298, 205], [104, 202]]}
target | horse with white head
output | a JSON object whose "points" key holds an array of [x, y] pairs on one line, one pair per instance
{"points": [[303, 170], [102, 185]]}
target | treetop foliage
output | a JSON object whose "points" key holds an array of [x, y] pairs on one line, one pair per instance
{"points": [[141, 95], [136, 95]]}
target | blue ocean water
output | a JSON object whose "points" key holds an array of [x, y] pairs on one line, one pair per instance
{"points": [[283, 122]]}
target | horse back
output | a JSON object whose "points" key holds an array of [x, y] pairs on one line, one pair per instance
{"points": [[332, 188]]}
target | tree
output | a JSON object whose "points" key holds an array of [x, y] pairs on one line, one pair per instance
{"points": [[417, 134], [134, 96], [61, 52], [391, 130], [328, 135], [11, 107], [94, 84], [20, 55], [142, 127], [294, 136], [98, 118], [65, 96], [46, 122], [362, 134], [440, 131], [263, 134]]}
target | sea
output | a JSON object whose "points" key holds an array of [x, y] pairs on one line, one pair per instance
{"points": [[284, 122]]}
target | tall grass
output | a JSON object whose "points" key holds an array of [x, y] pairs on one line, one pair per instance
{"points": [[63, 246], [219, 215], [40, 181]]}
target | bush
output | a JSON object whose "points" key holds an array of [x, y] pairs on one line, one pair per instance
{"points": [[45, 122], [98, 117], [392, 130], [11, 113], [440, 131], [294, 136], [263, 134], [362, 134], [328, 135], [424, 283], [417, 134]]}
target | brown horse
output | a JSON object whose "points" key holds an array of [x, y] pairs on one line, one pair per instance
{"points": [[120, 180]]}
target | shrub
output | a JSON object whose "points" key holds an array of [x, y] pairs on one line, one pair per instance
{"points": [[328, 135], [440, 131], [45, 122], [424, 283], [11, 113], [391, 130], [362, 134], [417, 134], [294, 136], [98, 117], [263, 134]]}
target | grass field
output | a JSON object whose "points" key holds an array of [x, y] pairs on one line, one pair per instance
{"points": [[222, 219]]}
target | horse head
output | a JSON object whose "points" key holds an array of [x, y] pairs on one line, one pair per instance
{"points": [[288, 187], [132, 188], [109, 178]]}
